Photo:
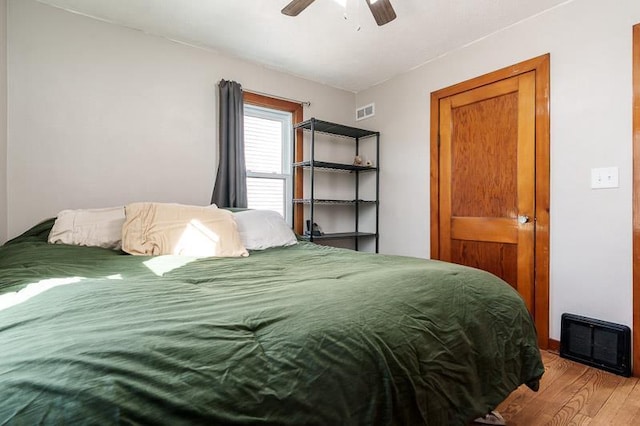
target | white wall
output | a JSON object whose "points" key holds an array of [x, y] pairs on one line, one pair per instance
{"points": [[102, 115], [590, 46], [3, 121]]}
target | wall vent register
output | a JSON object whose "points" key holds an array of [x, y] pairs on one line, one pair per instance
{"points": [[365, 112], [600, 344]]}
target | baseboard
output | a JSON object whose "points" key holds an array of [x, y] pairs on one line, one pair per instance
{"points": [[554, 346]]}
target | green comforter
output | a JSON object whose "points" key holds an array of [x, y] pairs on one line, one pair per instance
{"points": [[298, 335]]}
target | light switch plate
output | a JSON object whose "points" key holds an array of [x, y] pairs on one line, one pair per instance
{"points": [[604, 177]]}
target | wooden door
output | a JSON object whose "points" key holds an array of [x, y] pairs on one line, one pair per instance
{"points": [[489, 165], [487, 180]]}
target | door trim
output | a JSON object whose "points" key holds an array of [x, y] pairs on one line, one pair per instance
{"points": [[636, 200], [540, 65]]}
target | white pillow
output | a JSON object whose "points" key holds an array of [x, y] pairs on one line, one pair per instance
{"points": [[262, 229], [89, 227]]}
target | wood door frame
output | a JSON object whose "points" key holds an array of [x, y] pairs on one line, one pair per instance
{"points": [[541, 66], [636, 199], [296, 110]]}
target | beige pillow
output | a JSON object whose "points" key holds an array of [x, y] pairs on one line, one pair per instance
{"points": [[89, 227], [162, 228]]}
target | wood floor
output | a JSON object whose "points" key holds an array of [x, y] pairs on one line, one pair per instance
{"points": [[574, 394]]}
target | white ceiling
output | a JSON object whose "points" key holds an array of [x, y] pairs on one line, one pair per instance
{"points": [[323, 43]]}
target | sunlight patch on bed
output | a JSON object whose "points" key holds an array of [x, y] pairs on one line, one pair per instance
{"points": [[114, 277], [160, 265], [8, 300]]}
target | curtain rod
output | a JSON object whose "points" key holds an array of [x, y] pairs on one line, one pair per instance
{"points": [[255, 92]]}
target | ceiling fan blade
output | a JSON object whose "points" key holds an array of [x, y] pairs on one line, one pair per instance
{"points": [[382, 11], [295, 7]]}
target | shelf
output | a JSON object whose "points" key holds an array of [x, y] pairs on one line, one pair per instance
{"points": [[321, 201], [334, 166], [335, 129], [313, 207], [338, 236]]}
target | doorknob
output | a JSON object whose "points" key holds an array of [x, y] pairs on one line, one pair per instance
{"points": [[523, 219]]}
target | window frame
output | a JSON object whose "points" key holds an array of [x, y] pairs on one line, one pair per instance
{"points": [[296, 111]]}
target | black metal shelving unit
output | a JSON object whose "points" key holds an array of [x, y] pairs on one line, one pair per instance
{"points": [[314, 126]]}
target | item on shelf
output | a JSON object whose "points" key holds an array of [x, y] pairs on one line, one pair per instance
{"points": [[316, 231], [369, 163], [357, 161]]}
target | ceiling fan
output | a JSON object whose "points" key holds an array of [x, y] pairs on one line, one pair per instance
{"points": [[381, 9]]}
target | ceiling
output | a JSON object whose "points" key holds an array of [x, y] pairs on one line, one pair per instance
{"points": [[328, 42]]}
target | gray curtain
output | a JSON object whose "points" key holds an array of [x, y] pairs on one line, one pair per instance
{"points": [[230, 189]]}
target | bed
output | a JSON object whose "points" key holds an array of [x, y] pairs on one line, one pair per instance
{"points": [[302, 334]]}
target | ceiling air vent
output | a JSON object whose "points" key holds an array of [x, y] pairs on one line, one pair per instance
{"points": [[365, 112]]}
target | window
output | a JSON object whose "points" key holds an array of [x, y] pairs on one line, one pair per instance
{"points": [[267, 139], [268, 148]]}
